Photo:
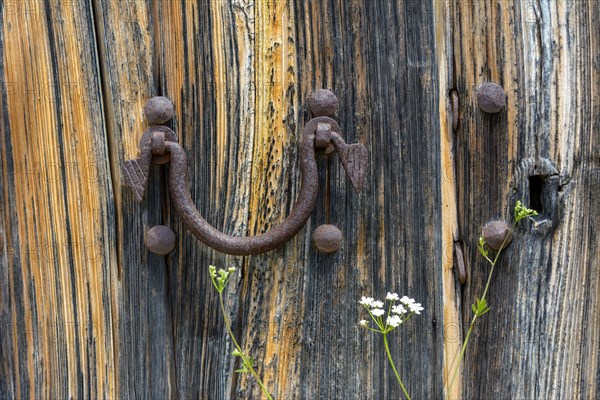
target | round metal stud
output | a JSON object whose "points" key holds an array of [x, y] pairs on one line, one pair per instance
{"points": [[158, 110], [491, 97], [160, 240], [327, 239], [495, 232], [323, 103]]}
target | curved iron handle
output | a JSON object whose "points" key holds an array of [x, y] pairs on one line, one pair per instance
{"points": [[320, 132]]}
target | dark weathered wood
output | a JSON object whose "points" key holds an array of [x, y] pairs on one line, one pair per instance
{"points": [[143, 321], [542, 338], [239, 77], [87, 312]]}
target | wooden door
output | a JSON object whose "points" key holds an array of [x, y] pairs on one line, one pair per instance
{"points": [[86, 311]]}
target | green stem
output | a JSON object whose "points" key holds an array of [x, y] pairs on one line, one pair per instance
{"points": [[387, 350], [462, 353], [246, 362], [472, 325]]}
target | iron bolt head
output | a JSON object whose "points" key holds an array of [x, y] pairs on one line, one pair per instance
{"points": [[323, 103], [158, 110], [491, 97], [495, 232], [327, 239], [160, 240]]}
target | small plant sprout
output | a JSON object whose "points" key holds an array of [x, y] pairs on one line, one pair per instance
{"points": [[220, 279], [396, 315], [496, 236]]}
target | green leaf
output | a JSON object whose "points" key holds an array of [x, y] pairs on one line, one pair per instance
{"points": [[481, 247], [236, 353]]}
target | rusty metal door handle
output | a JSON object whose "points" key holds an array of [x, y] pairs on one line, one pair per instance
{"points": [[159, 145]]}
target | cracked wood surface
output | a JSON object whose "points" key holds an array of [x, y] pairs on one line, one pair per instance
{"points": [[87, 312]]}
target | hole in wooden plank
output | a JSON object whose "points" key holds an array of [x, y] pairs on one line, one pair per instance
{"points": [[536, 191]]}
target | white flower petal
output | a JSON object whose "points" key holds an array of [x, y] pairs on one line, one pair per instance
{"points": [[377, 304], [366, 301], [399, 309], [392, 296], [394, 321], [378, 312], [416, 308]]}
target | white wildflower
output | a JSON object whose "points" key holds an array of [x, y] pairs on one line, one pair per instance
{"points": [[392, 296], [378, 312], [407, 300], [416, 308], [394, 321], [399, 309], [366, 301], [363, 322], [377, 304]]}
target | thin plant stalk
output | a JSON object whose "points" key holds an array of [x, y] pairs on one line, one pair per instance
{"points": [[219, 280], [389, 355], [481, 307], [396, 316], [487, 286], [245, 361]]}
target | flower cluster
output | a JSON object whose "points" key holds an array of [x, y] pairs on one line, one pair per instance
{"points": [[399, 310], [396, 313], [220, 278], [523, 212]]}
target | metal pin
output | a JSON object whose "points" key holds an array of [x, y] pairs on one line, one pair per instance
{"points": [[455, 110], [460, 263]]}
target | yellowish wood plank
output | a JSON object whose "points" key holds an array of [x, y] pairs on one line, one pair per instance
{"points": [[57, 196]]}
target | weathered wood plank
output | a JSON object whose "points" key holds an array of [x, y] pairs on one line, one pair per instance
{"points": [[541, 339], [57, 253], [143, 321], [207, 68], [450, 235], [239, 75]]}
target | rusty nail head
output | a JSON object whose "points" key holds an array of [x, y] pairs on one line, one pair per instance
{"points": [[495, 232], [160, 240], [158, 110], [323, 103], [491, 97], [327, 239], [460, 263], [455, 110]]}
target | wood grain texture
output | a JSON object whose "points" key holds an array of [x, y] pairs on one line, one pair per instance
{"points": [[542, 337], [143, 320], [87, 312], [239, 74], [57, 254]]}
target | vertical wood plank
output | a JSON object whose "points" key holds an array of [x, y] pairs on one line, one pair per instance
{"points": [[143, 327], [57, 259], [208, 70], [338, 51], [541, 339], [445, 27], [240, 74]]}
